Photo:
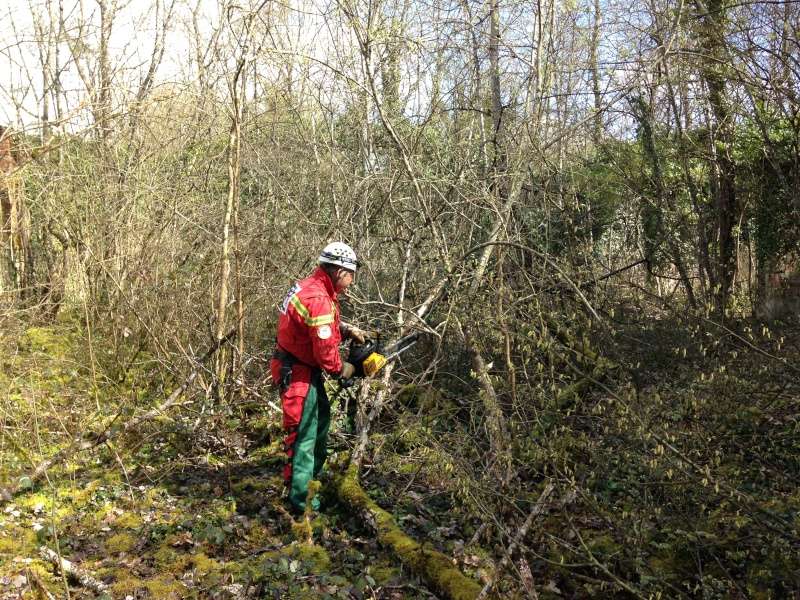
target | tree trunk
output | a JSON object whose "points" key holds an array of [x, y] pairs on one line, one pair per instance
{"points": [[594, 46], [231, 206], [661, 197], [714, 72], [103, 89]]}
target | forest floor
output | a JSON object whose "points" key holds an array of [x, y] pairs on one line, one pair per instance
{"points": [[190, 505], [157, 514]]}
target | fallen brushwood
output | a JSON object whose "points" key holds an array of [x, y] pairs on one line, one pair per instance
{"points": [[37, 585], [435, 568], [93, 439], [73, 571], [588, 363], [538, 509]]}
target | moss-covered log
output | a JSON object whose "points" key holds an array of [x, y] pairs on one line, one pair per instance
{"points": [[436, 569]]}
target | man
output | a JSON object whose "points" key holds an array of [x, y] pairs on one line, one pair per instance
{"points": [[309, 334]]}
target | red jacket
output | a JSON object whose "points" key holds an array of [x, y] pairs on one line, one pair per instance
{"points": [[308, 326]]}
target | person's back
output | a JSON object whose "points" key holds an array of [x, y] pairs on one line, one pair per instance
{"points": [[308, 325]]}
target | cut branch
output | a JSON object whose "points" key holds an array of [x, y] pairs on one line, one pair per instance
{"points": [[537, 510], [73, 571], [380, 397]]}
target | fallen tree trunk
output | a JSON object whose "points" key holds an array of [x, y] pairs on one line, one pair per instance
{"points": [[435, 568], [93, 439]]}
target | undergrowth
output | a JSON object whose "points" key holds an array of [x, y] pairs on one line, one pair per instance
{"points": [[165, 511], [675, 475]]}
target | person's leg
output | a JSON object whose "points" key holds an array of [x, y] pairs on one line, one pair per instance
{"points": [[303, 458], [323, 424], [292, 402]]}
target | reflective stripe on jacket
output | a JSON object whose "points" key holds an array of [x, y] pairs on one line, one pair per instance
{"points": [[308, 326]]}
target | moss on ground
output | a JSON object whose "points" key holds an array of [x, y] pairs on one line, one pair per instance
{"points": [[145, 531], [120, 542], [9, 544], [128, 520], [55, 342], [165, 587], [384, 574], [126, 585]]}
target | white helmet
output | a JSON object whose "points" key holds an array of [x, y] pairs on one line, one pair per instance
{"points": [[339, 253]]}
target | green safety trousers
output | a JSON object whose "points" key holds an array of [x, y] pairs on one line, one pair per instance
{"points": [[307, 445]]}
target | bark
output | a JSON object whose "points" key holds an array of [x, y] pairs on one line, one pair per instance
{"points": [[7, 165], [594, 46], [702, 243], [379, 402], [662, 197], [496, 425], [15, 242], [713, 70], [390, 73], [365, 47], [38, 585], [477, 89], [234, 166], [52, 291], [498, 141], [102, 105], [538, 509], [57, 88], [45, 48], [230, 243], [537, 60], [156, 56], [497, 429]]}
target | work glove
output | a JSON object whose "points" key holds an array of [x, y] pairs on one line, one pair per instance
{"points": [[357, 334], [348, 370]]}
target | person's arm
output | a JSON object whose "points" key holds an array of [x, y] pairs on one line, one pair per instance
{"points": [[354, 333], [324, 340]]}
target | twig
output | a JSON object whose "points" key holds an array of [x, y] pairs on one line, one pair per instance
{"points": [[754, 347], [380, 396], [478, 532], [547, 259], [38, 585]]}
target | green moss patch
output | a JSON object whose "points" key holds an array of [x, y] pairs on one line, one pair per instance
{"points": [[120, 542]]}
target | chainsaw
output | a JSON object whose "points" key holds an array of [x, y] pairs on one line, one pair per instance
{"points": [[368, 358]]}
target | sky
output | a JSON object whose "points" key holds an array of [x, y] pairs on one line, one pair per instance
{"points": [[132, 41], [134, 33], [131, 45]]}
